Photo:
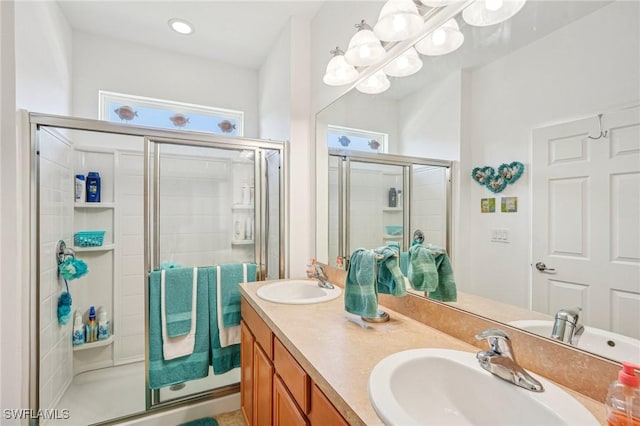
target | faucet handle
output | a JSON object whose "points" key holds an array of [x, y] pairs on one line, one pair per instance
{"points": [[498, 341]]}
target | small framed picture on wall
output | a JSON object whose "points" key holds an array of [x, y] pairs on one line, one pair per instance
{"points": [[509, 204], [488, 205]]}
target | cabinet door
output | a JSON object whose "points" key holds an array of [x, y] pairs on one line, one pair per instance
{"points": [[262, 387], [322, 411], [246, 373], [285, 410]]}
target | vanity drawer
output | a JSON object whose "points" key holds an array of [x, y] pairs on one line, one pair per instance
{"points": [[292, 374], [258, 327]]}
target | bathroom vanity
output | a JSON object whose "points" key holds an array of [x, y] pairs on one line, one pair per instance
{"points": [[292, 352]]}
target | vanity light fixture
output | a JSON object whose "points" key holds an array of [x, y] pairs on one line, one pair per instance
{"points": [[180, 26], [483, 13], [364, 48], [444, 40], [374, 84], [398, 20], [338, 71], [406, 64]]}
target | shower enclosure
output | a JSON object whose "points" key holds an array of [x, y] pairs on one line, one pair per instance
{"points": [[167, 197], [375, 199]]}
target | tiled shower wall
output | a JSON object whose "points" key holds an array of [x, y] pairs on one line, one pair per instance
{"points": [[56, 212], [429, 203]]}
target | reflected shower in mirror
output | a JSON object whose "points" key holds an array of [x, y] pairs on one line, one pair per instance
{"points": [[538, 89]]}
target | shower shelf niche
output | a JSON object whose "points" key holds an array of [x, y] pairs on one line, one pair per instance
{"points": [[94, 205], [106, 247], [93, 345], [242, 242]]}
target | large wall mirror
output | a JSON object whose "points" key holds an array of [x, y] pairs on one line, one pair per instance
{"points": [[555, 89]]}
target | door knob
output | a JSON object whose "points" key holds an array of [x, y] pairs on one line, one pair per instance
{"points": [[540, 266]]}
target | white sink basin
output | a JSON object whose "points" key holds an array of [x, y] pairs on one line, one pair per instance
{"points": [[600, 342], [447, 387], [297, 292]]}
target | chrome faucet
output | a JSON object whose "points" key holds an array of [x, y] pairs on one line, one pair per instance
{"points": [[317, 271], [501, 361], [566, 327]]}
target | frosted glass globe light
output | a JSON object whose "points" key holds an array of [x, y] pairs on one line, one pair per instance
{"points": [[398, 20], [493, 5], [438, 37], [364, 48], [338, 71], [482, 13], [443, 40], [376, 83], [406, 64]]}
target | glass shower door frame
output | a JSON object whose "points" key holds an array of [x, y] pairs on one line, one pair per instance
{"points": [[152, 152]]}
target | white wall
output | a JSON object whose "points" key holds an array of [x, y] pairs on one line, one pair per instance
{"points": [[35, 76], [101, 63], [574, 72], [56, 213]]}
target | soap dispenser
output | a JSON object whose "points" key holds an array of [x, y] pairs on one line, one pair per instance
{"points": [[623, 398]]}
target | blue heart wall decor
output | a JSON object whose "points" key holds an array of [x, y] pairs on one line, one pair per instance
{"points": [[496, 182]]}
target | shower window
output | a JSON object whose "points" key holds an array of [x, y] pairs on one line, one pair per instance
{"points": [[127, 109], [356, 140]]}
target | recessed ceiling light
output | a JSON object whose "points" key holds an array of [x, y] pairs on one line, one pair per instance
{"points": [[180, 26]]}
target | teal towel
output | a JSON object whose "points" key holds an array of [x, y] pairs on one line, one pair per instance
{"points": [[207, 421], [360, 295], [390, 279], [446, 290], [231, 275], [404, 263], [195, 366], [222, 359], [178, 290], [422, 273]]}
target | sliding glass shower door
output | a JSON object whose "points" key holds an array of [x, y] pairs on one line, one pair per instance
{"points": [[210, 204]]}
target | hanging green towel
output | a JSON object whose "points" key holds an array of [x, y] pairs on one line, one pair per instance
{"points": [[360, 295], [178, 290], [446, 290], [232, 275], [423, 273], [404, 263], [390, 279], [225, 358], [195, 366]]}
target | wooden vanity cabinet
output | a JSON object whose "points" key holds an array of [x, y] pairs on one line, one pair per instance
{"points": [[274, 388]]}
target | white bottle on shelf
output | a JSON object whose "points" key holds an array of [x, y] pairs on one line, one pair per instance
{"points": [[78, 330], [238, 229], [248, 228], [103, 325], [246, 194]]}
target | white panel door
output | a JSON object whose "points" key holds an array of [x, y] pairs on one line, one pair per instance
{"points": [[586, 220]]}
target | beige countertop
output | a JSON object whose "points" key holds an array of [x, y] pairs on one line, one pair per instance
{"points": [[338, 350]]}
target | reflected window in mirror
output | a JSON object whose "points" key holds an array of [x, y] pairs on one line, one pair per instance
{"points": [[339, 137]]}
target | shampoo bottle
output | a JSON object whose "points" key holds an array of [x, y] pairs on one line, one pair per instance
{"points": [[623, 398], [91, 328], [393, 197], [93, 187], [78, 330], [80, 189], [103, 325]]}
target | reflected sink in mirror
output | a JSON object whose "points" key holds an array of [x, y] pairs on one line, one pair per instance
{"points": [[597, 341], [448, 387], [297, 292]]}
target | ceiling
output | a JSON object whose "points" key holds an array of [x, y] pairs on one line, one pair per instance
{"points": [[236, 32]]}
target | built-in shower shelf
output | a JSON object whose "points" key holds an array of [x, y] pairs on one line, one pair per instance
{"points": [[106, 247], [243, 207], [93, 345], [94, 205], [392, 237], [242, 242], [392, 209]]}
